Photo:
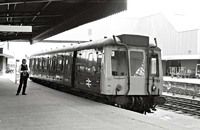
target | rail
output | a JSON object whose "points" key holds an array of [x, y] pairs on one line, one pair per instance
{"points": [[189, 106]]}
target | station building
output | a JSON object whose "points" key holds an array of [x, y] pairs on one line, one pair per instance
{"points": [[5, 55]]}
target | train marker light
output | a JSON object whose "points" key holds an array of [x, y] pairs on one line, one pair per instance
{"points": [[153, 88]]}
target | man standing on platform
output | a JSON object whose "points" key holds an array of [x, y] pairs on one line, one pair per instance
{"points": [[23, 70]]}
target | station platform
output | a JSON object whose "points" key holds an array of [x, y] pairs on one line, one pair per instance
{"points": [[44, 108], [182, 80]]}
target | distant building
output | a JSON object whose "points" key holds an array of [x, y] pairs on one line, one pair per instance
{"points": [[4, 55], [180, 49]]}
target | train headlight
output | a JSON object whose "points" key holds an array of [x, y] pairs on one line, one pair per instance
{"points": [[153, 88]]}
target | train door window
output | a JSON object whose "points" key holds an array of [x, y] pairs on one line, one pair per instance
{"points": [[119, 63], [81, 60], [98, 61], [137, 63], [40, 63], [60, 63], [36, 63], [67, 66], [53, 63], [43, 63], [50, 64], [31, 64], [154, 65], [46, 63]]}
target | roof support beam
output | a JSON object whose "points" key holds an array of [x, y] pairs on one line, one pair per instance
{"points": [[29, 16], [22, 2], [10, 28], [82, 18]]}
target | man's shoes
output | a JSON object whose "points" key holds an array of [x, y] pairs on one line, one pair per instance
{"points": [[17, 94], [24, 94]]}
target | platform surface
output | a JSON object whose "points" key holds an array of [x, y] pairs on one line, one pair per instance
{"points": [[47, 109], [182, 80]]}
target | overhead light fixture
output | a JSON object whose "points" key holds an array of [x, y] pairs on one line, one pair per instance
{"points": [[13, 28]]}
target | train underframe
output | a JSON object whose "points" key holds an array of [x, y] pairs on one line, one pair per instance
{"points": [[137, 103]]}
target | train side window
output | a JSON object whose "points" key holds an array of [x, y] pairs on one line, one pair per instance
{"points": [[119, 63], [137, 63]]}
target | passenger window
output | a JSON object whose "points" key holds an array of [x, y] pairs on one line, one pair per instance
{"points": [[137, 63], [119, 63]]}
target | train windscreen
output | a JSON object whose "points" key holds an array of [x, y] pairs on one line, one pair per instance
{"points": [[119, 63]]}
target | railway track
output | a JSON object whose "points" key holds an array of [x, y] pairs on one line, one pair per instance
{"points": [[189, 106]]}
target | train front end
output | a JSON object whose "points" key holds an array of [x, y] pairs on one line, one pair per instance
{"points": [[133, 73]]}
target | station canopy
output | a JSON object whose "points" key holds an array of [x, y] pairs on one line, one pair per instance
{"points": [[50, 17]]}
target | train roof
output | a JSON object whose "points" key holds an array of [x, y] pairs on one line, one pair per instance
{"points": [[129, 40]]}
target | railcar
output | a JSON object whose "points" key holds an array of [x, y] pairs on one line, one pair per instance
{"points": [[124, 69]]}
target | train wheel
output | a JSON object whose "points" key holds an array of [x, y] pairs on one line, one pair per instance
{"points": [[138, 105]]}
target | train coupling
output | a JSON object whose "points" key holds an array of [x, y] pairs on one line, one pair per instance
{"points": [[159, 100]]}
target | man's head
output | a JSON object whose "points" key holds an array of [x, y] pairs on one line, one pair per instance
{"points": [[24, 61]]}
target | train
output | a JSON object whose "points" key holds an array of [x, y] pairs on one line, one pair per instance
{"points": [[126, 70]]}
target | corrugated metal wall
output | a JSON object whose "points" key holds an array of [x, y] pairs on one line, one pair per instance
{"points": [[198, 42], [169, 40], [189, 42], [159, 27]]}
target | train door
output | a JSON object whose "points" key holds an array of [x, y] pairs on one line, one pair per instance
{"points": [[67, 64], [114, 71], [87, 75], [52, 69], [43, 68], [137, 72], [40, 67], [46, 67], [59, 68]]}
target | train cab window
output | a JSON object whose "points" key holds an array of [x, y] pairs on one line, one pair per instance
{"points": [[137, 63], [154, 65], [119, 63]]}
